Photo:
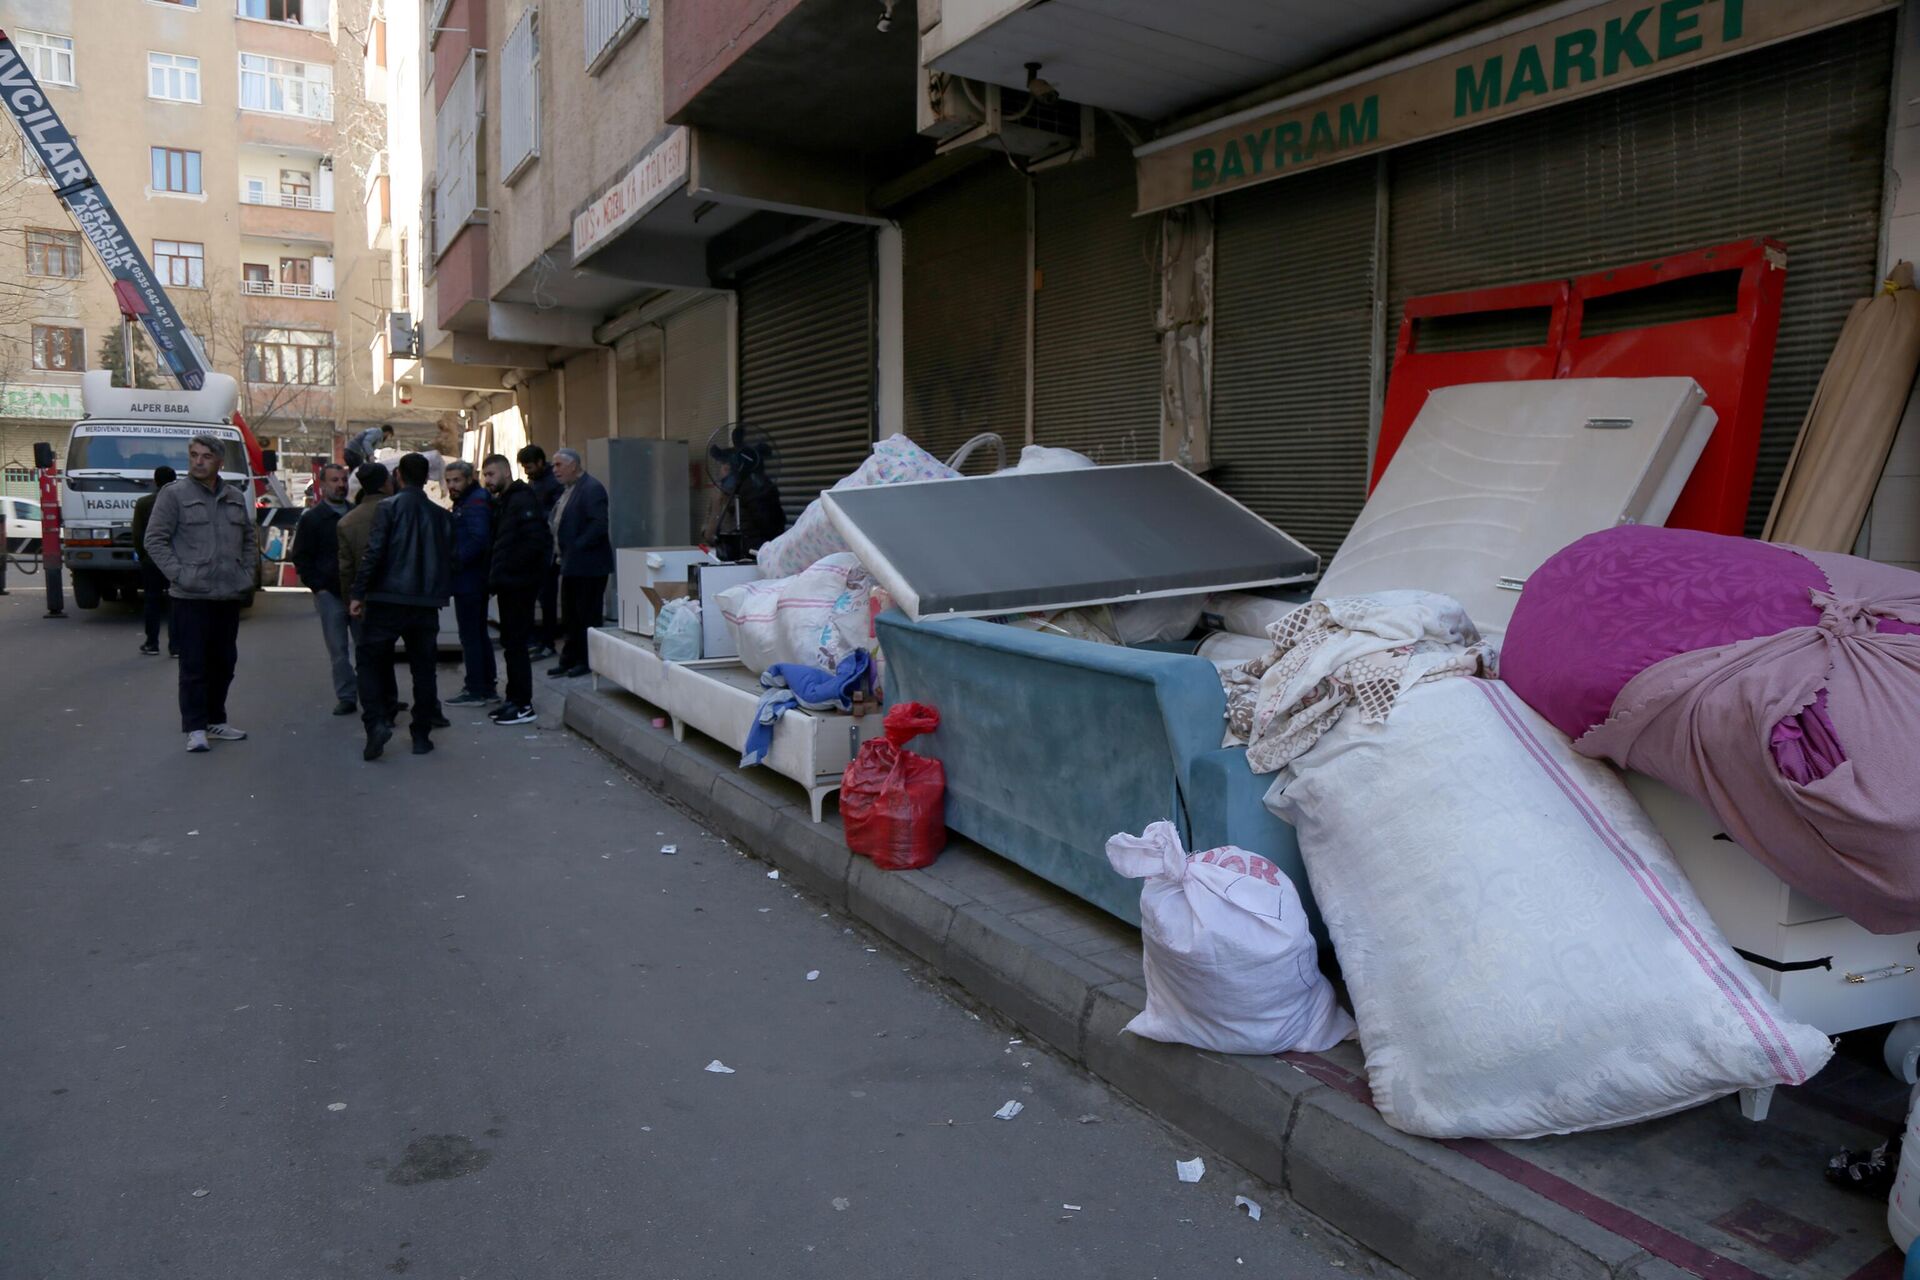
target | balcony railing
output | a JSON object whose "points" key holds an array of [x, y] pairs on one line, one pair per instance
{"points": [[282, 289], [285, 200]]}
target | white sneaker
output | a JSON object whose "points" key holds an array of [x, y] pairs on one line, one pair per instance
{"points": [[226, 733], [197, 740]]}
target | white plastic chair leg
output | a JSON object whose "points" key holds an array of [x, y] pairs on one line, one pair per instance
{"points": [[1754, 1103]]}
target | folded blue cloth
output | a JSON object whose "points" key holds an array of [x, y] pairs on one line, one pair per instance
{"points": [[795, 684]]}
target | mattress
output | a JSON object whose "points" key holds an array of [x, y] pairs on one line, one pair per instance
{"points": [[1494, 478], [1019, 543]]}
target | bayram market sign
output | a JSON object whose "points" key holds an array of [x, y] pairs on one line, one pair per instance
{"points": [[1571, 56]]}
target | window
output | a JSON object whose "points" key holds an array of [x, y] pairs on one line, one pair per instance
{"points": [[610, 22], [520, 97], [256, 191], [296, 182], [50, 56], [290, 357], [406, 277], [175, 170], [286, 88], [55, 347], [173, 77], [182, 264], [296, 271], [53, 253], [180, 4], [308, 13], [457, 179]]}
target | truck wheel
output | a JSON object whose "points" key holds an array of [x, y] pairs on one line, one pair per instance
{"points": [[111, 591], [86, 592]]}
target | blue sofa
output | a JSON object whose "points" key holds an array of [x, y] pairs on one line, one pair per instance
{"points": [[1051, 745]]}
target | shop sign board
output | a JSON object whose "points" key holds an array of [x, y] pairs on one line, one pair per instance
{"points": [[661, 170], [40, 402], [1568, 56]]}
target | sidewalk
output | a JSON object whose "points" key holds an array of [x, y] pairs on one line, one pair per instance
{"points": [[1705, 1193]]}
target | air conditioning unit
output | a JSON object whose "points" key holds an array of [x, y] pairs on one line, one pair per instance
{"points": [[403, 337], [959, 112]]}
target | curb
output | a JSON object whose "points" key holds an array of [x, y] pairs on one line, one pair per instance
{"points": [[1423, 1206]]}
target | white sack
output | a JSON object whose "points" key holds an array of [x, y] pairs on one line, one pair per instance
{"points": [[1039, 457], [1230, 962], [1165, 618], [816, 617], [1523, 953], [894, 460], [676, 630], [1246, 614]]}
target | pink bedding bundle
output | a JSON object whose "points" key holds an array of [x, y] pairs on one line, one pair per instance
{"points": [[1778, 687]]}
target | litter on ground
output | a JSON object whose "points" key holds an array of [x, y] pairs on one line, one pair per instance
{"points": [[719, 1068], [1009, 1111], [1189, 1170], [1251, 1206]]}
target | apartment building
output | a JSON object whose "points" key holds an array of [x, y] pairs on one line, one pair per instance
{"points": [[1207, 234], [238, 141]]}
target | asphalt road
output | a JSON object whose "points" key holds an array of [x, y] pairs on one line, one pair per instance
{"points": [[274, 1013]]}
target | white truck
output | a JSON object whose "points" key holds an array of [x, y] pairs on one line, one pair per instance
{"points": [[111, 456]]}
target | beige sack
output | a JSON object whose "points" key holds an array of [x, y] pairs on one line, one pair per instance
{"points": [[1843, 445]]}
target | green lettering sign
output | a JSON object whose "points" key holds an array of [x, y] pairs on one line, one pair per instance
{"points": [[1286, 144], [1360, 125], [1574, 52], [1320, 136], [1677, 19], [1471, 95], [1230, 164], [1529, 76], [1203, 168], [1257, 147], [1624, 41], [1733, 18]]}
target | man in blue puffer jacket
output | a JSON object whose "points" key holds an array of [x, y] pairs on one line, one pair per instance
{"points": [[472, 550]]}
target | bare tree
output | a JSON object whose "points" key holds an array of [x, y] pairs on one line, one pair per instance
{"points": [[26, 200]]}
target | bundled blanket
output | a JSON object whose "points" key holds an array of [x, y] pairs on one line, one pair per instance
{"points": [[1359, 652], [1778, 687]]}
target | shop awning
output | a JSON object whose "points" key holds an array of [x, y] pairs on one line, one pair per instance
{"points": [[992, 545]]}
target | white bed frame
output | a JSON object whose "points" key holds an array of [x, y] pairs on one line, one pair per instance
{"points": [[720, 698]]}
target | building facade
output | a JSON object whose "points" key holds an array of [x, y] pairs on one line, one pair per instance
{"points": [[836, 219], [238, 141]]}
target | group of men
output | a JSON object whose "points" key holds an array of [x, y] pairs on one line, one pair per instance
{"points": [[379, 571], [400, 557]]}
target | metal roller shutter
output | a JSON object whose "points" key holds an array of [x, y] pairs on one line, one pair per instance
{"points": [[1096, 357], [1786, 142], [807, 359], [1293, 300], [964, 251]]}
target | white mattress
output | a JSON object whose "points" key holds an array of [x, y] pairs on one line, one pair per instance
{"points": [[1493, 478]]}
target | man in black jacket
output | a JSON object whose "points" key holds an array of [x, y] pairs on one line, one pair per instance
{"points": [[583, 546], [316, 558], [404, 580], [547, 487], [522, 556], [153, 583]]}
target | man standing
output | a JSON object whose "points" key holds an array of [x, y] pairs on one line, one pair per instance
{"points": [[316, 558], [472, 548], [201, 539], [403, 581], [583, 548], [522, 558], [361, 448], [350, 538], [547, 487], [153, 584]]}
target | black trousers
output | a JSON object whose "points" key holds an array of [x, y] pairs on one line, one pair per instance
{"points": [[154, 600], [208, 633], [383, 626], [547, 630], [516, 632], [580, 601]]}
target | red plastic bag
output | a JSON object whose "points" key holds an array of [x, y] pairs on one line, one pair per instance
{"points": [[893, 802]]}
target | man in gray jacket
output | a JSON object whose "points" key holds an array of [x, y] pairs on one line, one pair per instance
{"points": [[201, 538]]}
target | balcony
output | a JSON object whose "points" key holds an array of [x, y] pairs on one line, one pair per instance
{"points": [[281, 132], [273, 216], [278, 289]]}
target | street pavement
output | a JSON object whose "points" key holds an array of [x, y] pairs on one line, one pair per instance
{"points": [[275, 1013]]}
